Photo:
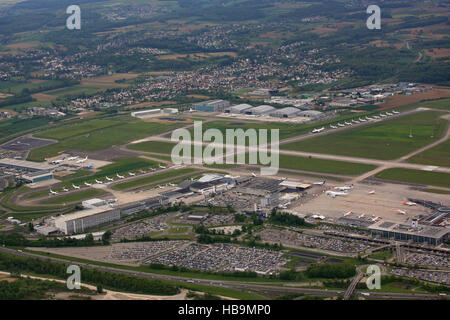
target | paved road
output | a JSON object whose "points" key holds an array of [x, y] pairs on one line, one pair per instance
{"points": [[243, 286], [353, 284]]}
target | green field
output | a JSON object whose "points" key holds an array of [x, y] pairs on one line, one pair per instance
{"points": [[152, 178], [386, 140], [97, 135], [74, 197], [153, 146], [437, 156], [438, 179]]}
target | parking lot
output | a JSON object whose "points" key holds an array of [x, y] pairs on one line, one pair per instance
{"points": [[424, 259], [141, 228], [427, 275]]}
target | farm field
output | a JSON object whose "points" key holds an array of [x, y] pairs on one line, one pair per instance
{"points": [[98, 135], [438, 179], [152, 178], [386, 140], [437, 156]]}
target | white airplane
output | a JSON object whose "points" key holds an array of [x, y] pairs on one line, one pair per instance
{"points": [[82, 160], [372, 192], [65, 190], [376, 117], [75, 187], [376, 219], [131, 174], [355, 121], [153, 169], [57, 161], [409, 203], [395, 112], [72, 158], [119, 176], [403, 212], [172, 185], [283, 178], [361, 216], [348, 123], [162, 167], [333, 127], [362, 120], [369, 118], [99, 182], [253, 174], [347, 214], [389, 114], [341, 125], [318, 130], [383, 115], [335, 194], [142, 171], [321, 183], [53, 192], [161, 187], [109, 179], [343, 188], [88, 184]]}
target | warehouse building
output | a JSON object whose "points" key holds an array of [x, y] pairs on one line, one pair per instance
{"points": [[38, 176], [414, 233], [24, 165], [145, 113], [211, 106], [313, 114], [288, 112], [239, 108], [260, 110]]}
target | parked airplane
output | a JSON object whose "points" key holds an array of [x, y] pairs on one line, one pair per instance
{"points": [[395, 112], [88, 184], [347, 214], [131, 174], [109, 179], [369, 118], [389, 114], [119, 176], [65, 190], [403, 212], [160, 187], [341, 125], [376, 219], [344, 188], [82, 160], [72, 158], [348, 123], [99, 182], [383, 115], [321, 183], [362, 120], [355, 121], [53, 192], [409, 203], [333, 127], [335, 194], [57, 161], [318, 130], [75, 187], [253, 174], [153, 169], [361, 216], [90, 165], [142, 171], [372, 192], [162, 167], [172, 185], [376, 117]]}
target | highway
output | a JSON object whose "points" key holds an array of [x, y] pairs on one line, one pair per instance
{"points": [[241, 286]]}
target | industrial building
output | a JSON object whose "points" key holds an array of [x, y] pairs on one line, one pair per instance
{"points": [[145, 113], [211, 105], [24, 165], [239, 108], [262, 187], [313, 114], [410, 232], [38, 176], [214, 186], [260, 110], [294, 185], [288, 112]]}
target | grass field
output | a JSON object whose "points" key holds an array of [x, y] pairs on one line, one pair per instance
{"points": [[152, 178], [82, 195], [438, 156], [386, 140], [438, 179], [153, 146], [97, 135]]}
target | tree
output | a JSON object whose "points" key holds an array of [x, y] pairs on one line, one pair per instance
{"points": [[99, 288]]}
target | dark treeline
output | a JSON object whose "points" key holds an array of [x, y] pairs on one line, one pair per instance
{"points": [[115, 281], [286, 219]]}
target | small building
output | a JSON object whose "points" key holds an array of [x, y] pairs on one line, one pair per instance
{"points": [[198, 216], [38, 176], [211, 105], [288, 112], [260, 110], [93, 203]]}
